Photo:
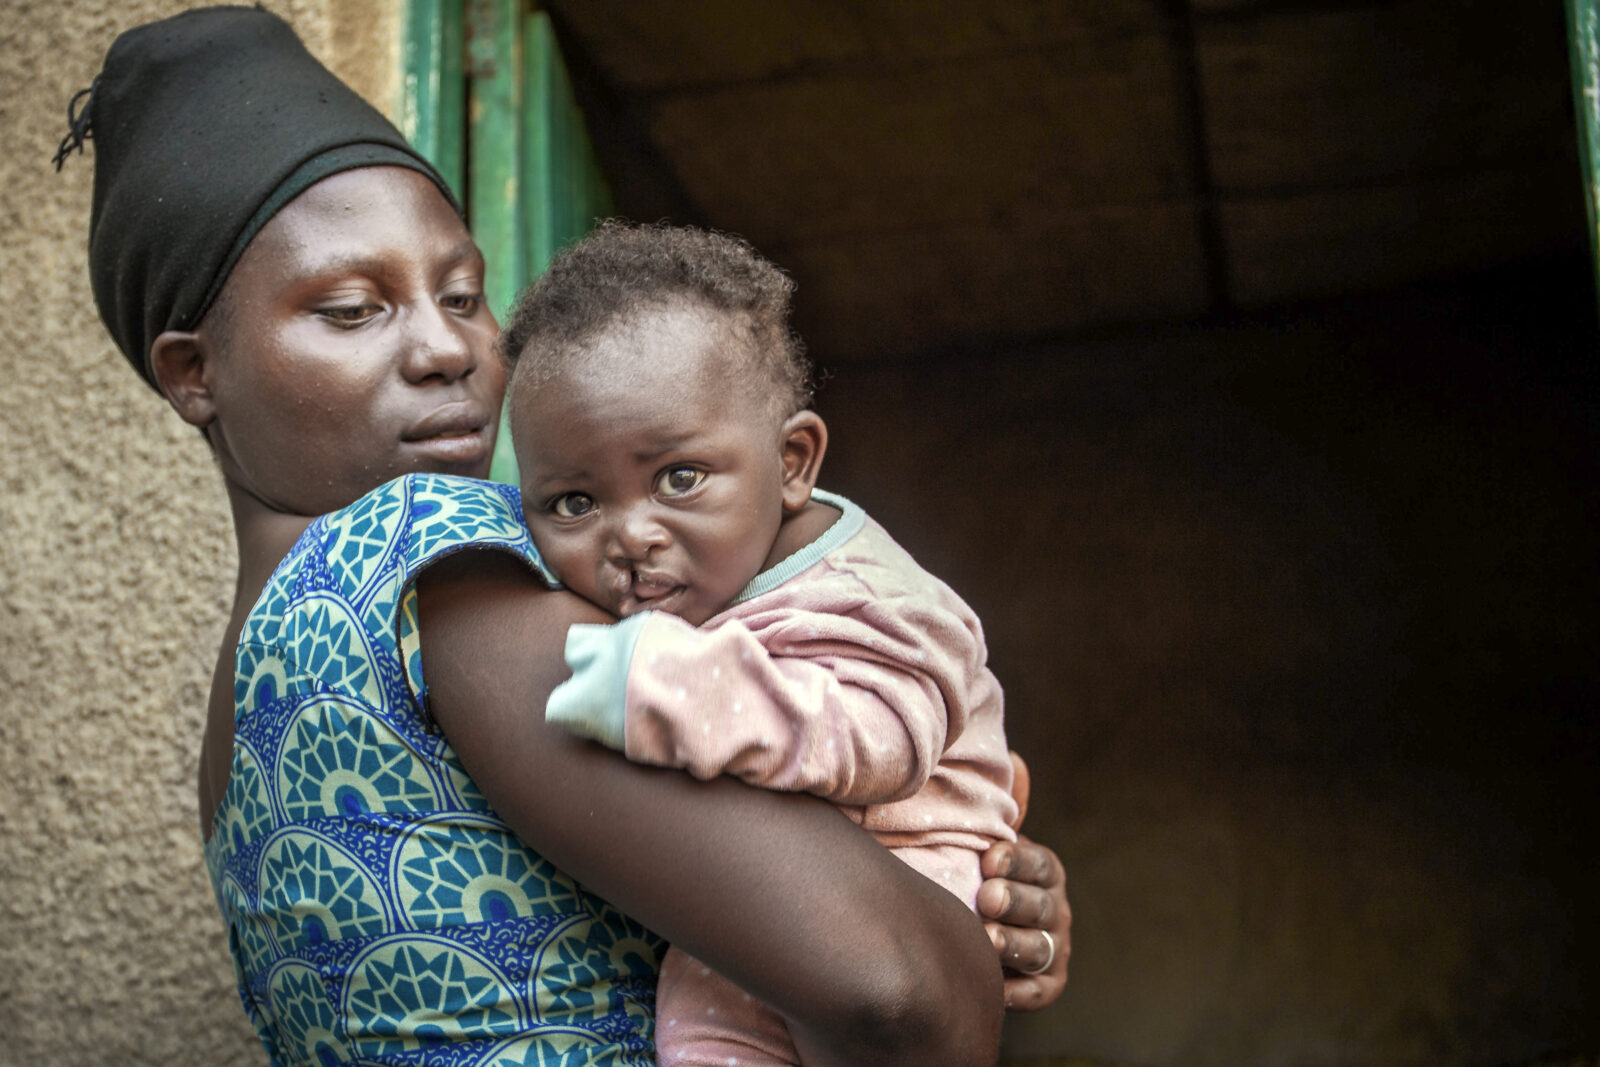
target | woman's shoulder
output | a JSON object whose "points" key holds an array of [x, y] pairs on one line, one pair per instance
{"points": [[445, 512], [422, 514], [398, 528], [358, 561]]}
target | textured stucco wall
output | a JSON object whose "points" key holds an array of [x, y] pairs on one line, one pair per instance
{"points": [[115, 563]]}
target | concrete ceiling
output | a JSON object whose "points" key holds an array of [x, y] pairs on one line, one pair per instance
{"points": [[941, 174]]}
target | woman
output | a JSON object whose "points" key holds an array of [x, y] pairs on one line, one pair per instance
{"points": [[298, 284]]}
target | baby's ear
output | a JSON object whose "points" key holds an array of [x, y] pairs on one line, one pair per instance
{"points": [[178, 362], [804, 442]]}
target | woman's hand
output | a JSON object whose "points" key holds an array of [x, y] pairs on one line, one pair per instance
{"points": [[1023, 902]]}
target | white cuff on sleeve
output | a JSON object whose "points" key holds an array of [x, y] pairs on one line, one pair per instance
{"points": [[593, 703]]}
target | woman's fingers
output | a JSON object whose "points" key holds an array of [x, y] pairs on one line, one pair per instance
{"points": [[1036, 969], [1012, 903], [1032, 992], [1023, 861], [1024, 903]]}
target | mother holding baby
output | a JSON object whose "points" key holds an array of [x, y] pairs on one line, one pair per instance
{"points": [[414, 868]]}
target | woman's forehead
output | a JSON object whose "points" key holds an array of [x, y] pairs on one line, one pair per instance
{"points": [[388, 196], [347, 220]]}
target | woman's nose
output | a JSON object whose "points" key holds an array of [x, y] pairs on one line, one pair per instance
{"points": [[441, 346]]}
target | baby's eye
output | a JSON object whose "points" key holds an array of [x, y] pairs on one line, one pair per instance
{"points": [[464, 302], [572, 505], [675, 481]]}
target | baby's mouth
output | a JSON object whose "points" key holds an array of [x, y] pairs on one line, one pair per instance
{"points": [[649, 586], [646, 590]]}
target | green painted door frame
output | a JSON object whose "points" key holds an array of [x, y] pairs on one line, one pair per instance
{"points": [[1583, 36], [486, 97]]}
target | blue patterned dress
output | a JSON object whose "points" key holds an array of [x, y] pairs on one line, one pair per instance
{"points": [[378, 912]]}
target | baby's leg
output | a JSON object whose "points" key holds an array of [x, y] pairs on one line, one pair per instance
{"points": [[704, 1020], [952, 866]]}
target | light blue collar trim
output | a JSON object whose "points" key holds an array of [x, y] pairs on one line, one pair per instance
{"points": [[846, 526]]}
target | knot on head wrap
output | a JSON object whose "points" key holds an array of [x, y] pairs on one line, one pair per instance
{"points": [[205, 125]]}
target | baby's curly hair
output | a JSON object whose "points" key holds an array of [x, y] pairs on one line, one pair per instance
{"points": [[621, 268]]}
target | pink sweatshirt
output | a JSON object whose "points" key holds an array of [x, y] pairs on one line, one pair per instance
{"points": [[846, 671]]}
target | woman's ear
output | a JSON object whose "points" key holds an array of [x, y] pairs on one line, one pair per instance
{"points": [[179, 364], [805, 441]]}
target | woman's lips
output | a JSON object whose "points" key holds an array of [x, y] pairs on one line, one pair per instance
{"points": [[449, 420], [453, 433]]}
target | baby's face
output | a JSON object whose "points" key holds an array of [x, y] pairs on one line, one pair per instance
{"points": [[649, 480]]}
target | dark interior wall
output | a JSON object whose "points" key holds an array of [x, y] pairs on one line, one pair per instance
{"points": [[942, 173], [1296, 618]]}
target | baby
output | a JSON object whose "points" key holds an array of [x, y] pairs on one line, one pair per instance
{"points": [[770, 630]]}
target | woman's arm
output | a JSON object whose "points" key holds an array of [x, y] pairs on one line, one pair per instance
{"points": [[779, 892]]}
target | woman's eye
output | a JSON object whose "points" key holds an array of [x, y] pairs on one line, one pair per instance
{"points": [[679, 480], [465, 302], [353, 315], [572, 505]]}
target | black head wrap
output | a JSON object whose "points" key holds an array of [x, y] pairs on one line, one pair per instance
{"points": [[205, 125]]}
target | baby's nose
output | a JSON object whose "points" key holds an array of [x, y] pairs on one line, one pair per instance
{"points": [[637, 534]]}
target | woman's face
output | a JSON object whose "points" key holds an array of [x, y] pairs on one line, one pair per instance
{"points": [[351, 344]]}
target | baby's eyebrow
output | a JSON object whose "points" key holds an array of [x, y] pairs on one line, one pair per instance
{"points": [[648, 454], [543, 481]]}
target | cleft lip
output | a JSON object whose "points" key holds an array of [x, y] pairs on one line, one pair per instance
{"points": [[646, 591]]}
